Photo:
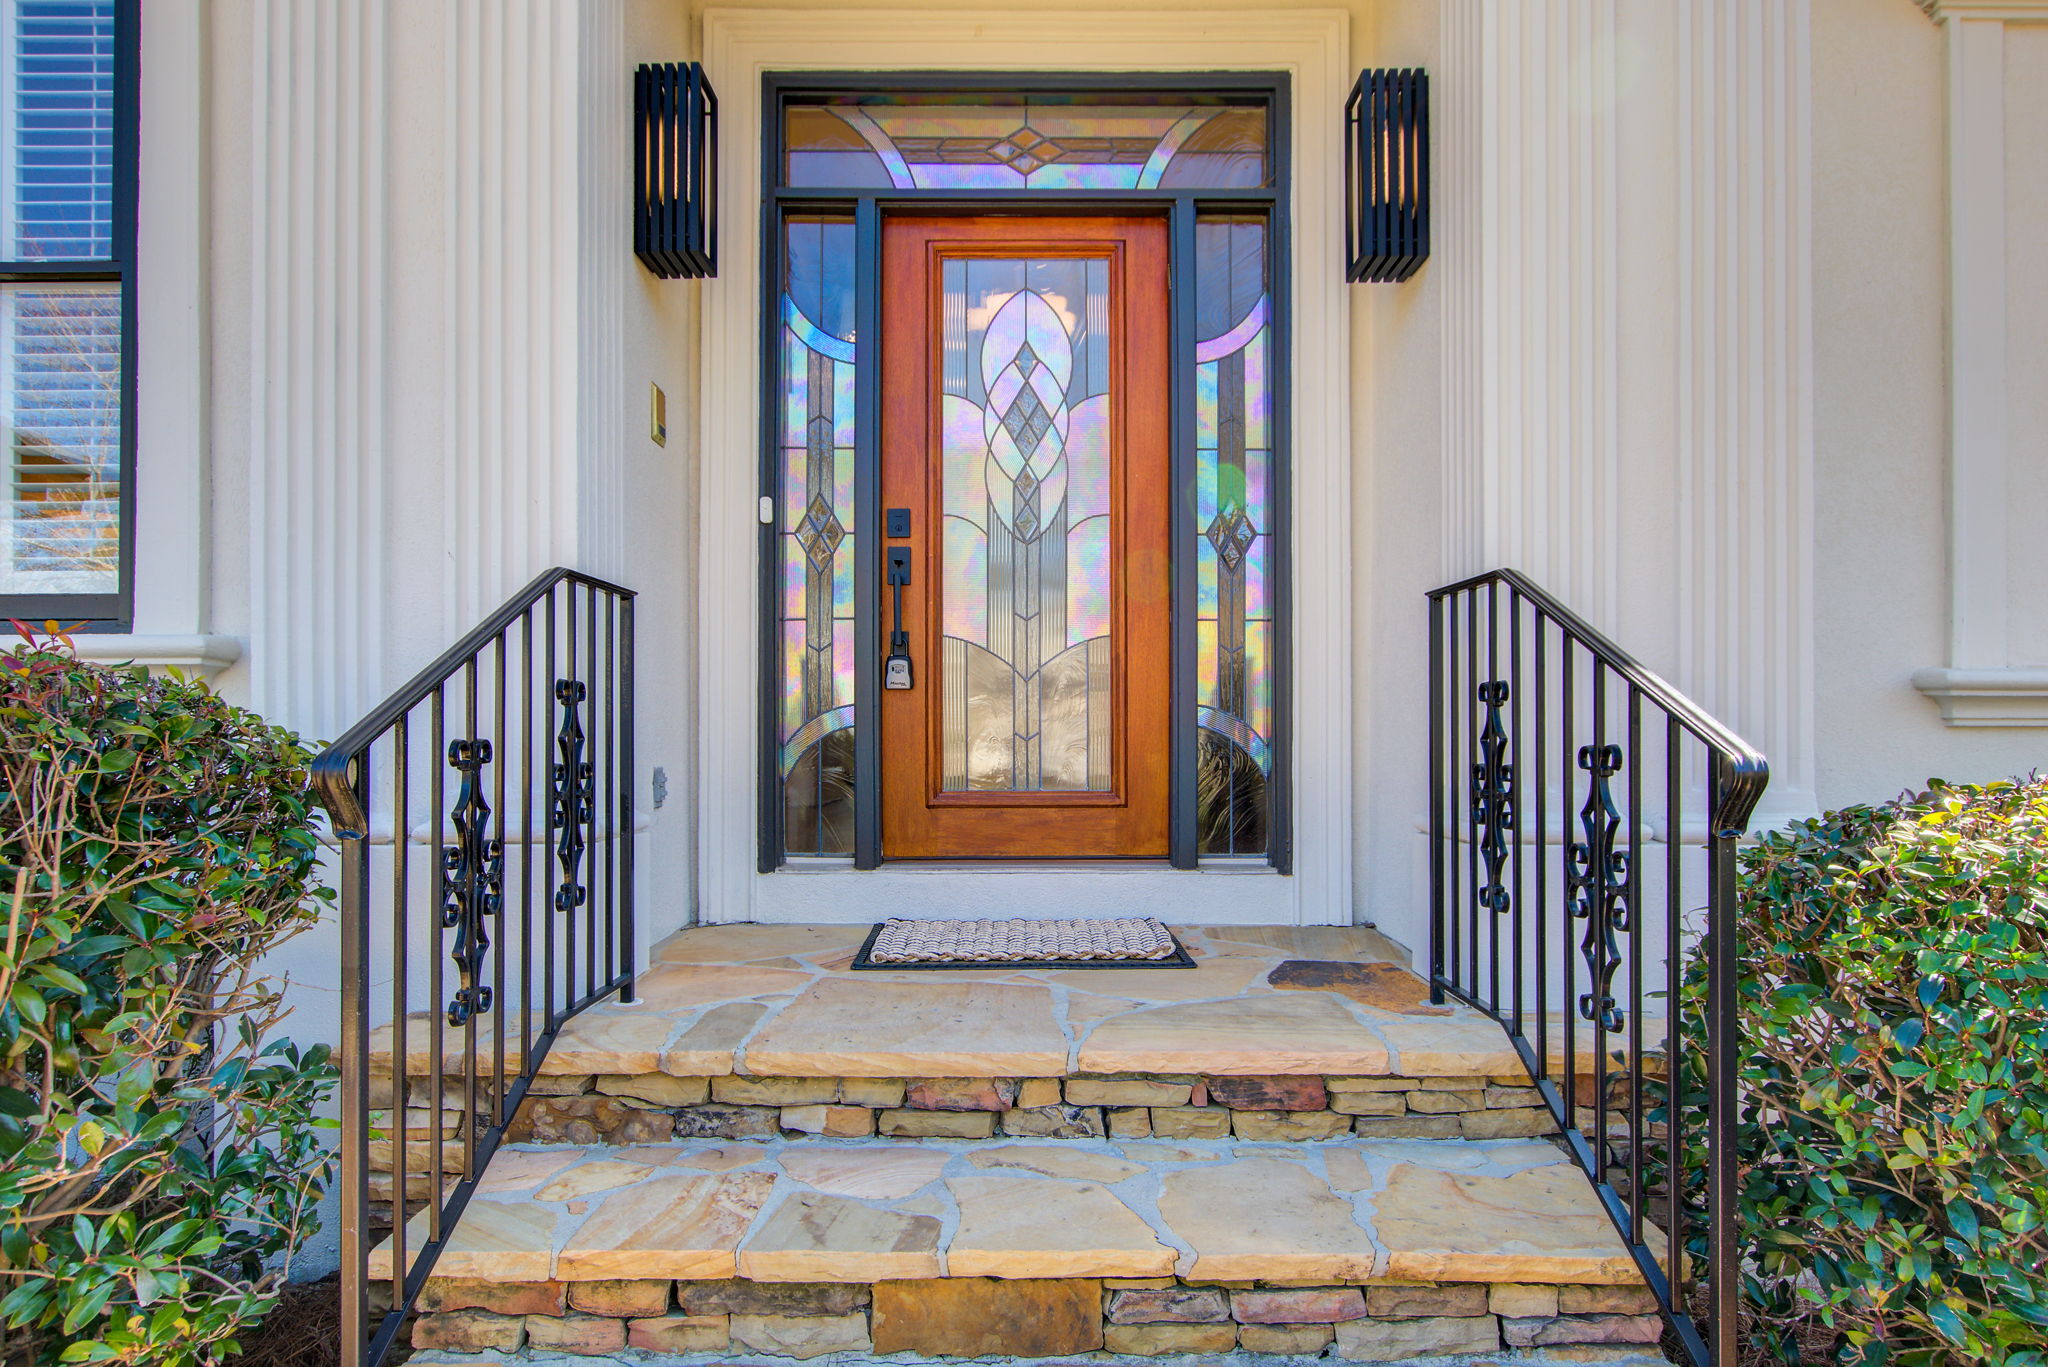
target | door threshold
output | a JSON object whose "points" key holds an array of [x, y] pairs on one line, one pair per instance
{"points": [[817, 864]]}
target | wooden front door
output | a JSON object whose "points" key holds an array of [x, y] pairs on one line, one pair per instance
{"points": [[1025, 495]]}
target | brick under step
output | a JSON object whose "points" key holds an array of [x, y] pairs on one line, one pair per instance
{"points": [[1384, 1249]]}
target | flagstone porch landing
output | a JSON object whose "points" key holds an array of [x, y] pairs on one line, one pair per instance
{"points": [[780, 1001]]}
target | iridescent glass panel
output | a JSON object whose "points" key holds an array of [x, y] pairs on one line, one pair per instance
{"points": [[815, 534], [1026, 569], [986, 141], [1234, 504]]}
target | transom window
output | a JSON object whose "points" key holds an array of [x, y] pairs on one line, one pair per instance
{"points": [[1208, 154], [67, 231], [987, 141]]}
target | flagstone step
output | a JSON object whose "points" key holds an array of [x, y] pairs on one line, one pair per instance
{"points": [[1368, 1251], [1349, 1211]]}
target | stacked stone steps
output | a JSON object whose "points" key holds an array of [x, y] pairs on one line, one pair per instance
{"points": [[1287, 1150], [1362, 1250]]}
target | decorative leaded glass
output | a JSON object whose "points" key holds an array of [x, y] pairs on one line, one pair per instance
{"points": [[1015, 142], [1025, 668], [815, 613], [1234, 526]]}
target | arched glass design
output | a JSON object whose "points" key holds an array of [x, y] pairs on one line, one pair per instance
{"points": [[1027, 668], [985, 141]]}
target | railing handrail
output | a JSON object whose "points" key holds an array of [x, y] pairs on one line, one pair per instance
{"points": [[1493, 714], [1749, 773], [331, 776], [553, 759]]}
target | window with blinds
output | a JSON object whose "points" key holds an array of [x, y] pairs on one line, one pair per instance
{"points": [[66, 228]]}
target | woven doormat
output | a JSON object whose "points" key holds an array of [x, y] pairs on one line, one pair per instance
{"points": [[1114, 942]]}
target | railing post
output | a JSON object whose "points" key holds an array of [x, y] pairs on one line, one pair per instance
{"points": [[628, 787], [355, 1075], [1436, 801], [1723, 1007]]}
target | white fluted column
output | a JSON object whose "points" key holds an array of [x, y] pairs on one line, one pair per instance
{"points": [[1526, 173], [1628, 342], [1744, 429], [316, 335], [439, 253]]}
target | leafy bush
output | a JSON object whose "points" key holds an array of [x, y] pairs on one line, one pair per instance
{"points": [[1893, 1132], [157, 1153]]}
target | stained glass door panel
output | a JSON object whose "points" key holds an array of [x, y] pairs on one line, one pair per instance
{"points": [[1026, 387]]}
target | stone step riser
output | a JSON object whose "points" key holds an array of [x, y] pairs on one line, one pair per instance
{"points": [[654, 1108], [979, 1317]]}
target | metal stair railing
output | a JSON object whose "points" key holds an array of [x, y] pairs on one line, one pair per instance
{"points": [[1578, 804], [461, 946]]}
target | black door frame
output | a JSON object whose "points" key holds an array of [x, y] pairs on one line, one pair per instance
{"points": [[866, 205]]}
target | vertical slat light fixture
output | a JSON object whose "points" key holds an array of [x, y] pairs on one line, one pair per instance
{"points": [[675, 168], [1386, 175]]}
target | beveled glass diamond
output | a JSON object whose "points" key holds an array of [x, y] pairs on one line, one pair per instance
{"points": [[1027, 420], [1232, 534], [819, 533]]}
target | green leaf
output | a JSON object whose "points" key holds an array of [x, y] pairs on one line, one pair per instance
{"points": [[1946, 1321], [1963, 1220]]}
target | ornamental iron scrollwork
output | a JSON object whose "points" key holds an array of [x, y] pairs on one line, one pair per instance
{"points": [[573, 800], [1493, 797], [1599, 875], [472, 880]]}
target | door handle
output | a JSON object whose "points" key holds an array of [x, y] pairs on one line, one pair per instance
{"points": [[896, 669]]}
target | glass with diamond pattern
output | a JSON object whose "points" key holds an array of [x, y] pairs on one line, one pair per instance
{"points": [[816, 517], [1234, 615], [1025, 668], [987, 141]]}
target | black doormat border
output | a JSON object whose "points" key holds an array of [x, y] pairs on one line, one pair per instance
{"points": [[1178, 959]]}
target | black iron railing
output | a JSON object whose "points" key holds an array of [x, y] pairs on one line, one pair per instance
{"points": [[1583, 822], [485, 820]]}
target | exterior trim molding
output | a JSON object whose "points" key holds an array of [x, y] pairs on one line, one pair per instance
{"points": [[2012, 11], [172, 554], [1987, 697], [742, 45], [200, 656], [1982, 685]]}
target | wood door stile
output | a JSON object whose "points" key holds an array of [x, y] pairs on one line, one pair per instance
{"points": [[1127, 815]]}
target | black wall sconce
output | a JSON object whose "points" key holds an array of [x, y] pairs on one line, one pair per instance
{"points": [[1386, 175], [675, 165]]}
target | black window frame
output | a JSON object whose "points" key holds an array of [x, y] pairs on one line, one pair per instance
{"points": [[865, 205], [104, 611]]}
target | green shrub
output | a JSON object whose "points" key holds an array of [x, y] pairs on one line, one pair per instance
{"points": [[157, 1153], [1893, 1133]]}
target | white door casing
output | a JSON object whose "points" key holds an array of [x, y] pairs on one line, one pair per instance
{"points": [[1311, 46]]}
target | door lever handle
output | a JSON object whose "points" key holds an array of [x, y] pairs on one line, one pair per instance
{"points": [[896, 669]]}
